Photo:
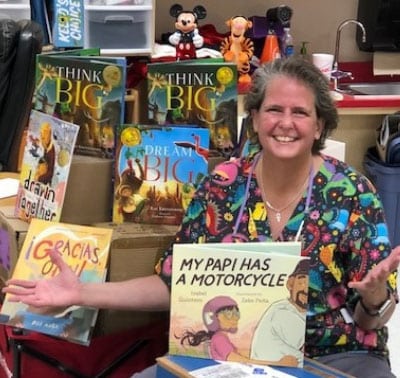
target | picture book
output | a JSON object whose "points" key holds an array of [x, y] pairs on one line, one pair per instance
{"points": [[157, 169], [67, 23], [201, 92], [86, 90], [85, 249], [45, 167], [239, 301]]}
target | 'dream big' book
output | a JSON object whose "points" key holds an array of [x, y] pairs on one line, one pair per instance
{"points": [[85, 249], [86, 90], [157, 169], [45, 167], [199, 92], [239, 302]]}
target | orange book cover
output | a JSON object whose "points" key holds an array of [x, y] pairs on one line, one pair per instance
{"points": [[239, 302], [85, 249]]}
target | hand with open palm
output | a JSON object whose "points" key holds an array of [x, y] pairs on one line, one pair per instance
{"points": [[63, 290]]}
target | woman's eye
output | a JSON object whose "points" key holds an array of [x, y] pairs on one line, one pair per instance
{"points": [[273, 110], [300, 112]]}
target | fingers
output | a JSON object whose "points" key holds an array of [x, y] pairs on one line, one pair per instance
{"points": [[18, 290], [22, 283], [58, 260]]}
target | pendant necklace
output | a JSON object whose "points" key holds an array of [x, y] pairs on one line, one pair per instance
{"points": [[278, 212]]}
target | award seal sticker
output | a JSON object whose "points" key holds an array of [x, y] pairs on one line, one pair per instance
{"points": [[131, 136], [224, 75], [112, 76]]}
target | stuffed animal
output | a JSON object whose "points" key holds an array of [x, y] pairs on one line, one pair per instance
{"points": [[186, 37], [237, 48]]}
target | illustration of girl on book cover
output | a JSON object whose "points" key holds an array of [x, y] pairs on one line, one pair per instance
{"points": [[221, 317]]}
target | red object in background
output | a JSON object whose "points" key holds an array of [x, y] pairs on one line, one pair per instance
{"points": [[87, 361], [211, 36]]}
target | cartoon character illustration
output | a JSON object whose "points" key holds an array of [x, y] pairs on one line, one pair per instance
{"points": [[221, 317], [237, 48], [186, 37], [283, 323]]}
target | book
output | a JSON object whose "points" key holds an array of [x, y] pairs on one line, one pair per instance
{"points": [[86, 90], [67, 23], [201, 92], [85, 249], [45, 167], [244, 299], [157, 170]]}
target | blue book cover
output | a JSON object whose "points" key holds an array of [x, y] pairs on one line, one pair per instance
{"points": [[157, 170]]}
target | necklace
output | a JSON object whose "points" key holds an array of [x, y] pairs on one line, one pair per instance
{"points": [[278, 212]]}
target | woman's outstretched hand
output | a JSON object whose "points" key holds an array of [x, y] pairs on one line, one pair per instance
{"points": [[60, 291], [375, 280]]}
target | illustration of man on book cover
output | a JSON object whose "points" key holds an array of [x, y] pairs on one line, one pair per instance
{"points": [[281, 339]]}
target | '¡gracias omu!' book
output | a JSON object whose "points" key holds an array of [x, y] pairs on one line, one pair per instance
{"points": [[157, 170], [85, 249], [239, 302], [198, 92]]}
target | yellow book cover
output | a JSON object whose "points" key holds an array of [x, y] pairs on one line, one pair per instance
{"points": [[243, 302], [85, 249]]}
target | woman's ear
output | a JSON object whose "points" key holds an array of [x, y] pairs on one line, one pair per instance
{"points": [[319, 129], [254, 118]]}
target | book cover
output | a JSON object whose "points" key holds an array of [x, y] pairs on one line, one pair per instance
{"points": [[45, 167], [201, 92], [67, 23], [85, 249], [245, 303], [157, 170], [86, 90]]}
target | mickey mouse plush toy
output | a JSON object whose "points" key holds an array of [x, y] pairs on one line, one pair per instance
{"points": [[186, 38]]}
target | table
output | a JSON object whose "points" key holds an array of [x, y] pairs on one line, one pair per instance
{"points": [[180, 366]]}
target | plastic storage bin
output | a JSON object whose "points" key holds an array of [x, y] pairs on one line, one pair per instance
{"points": [[120, 28], [386, 178], [15, 10]]}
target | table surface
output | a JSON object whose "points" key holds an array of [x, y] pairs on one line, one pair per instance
{"points": [[8, 201]]}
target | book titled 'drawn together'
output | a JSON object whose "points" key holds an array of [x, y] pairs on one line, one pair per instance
{"points": [[239, 302], [85, 249]]}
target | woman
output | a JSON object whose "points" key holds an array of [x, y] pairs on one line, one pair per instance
{"points": [[287, 191]]}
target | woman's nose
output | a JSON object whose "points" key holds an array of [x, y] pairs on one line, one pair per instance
{"points": [[286, 119]]}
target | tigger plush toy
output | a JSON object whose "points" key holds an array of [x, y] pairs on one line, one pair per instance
{"points": [[237, 48]]}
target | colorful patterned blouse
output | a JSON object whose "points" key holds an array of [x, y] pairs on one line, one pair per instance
{"points": [[344, 234]]}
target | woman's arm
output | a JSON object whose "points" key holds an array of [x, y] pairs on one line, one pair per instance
{"points": [[65, 289]]}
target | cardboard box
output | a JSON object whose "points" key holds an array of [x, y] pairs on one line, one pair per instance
{"points": [[88, 197], [135, 250]]}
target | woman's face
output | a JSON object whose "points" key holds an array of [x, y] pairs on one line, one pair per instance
{"points": [[287, 123]]}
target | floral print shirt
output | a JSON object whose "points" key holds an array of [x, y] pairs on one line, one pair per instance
{"points": [[344, 234]]}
